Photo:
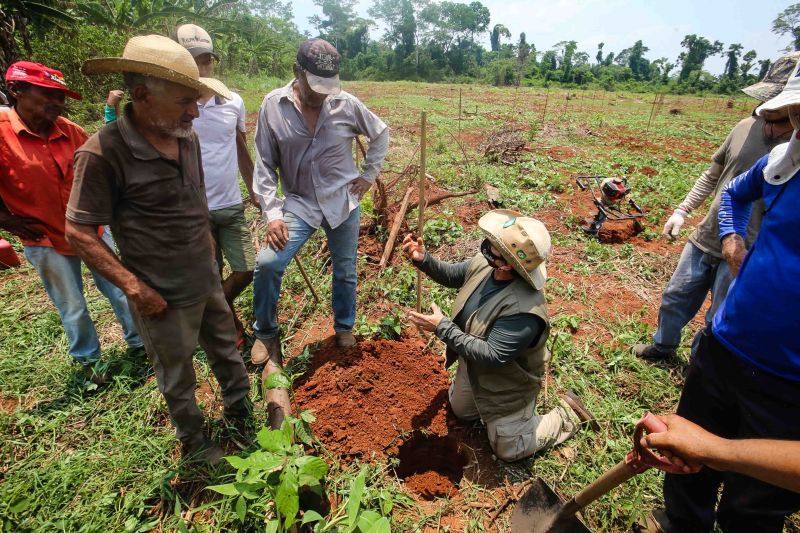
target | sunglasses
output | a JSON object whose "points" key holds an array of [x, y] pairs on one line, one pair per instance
{"points": [[486, 250]]}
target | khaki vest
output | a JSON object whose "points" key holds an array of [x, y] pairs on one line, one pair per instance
{"points": [[502, 390]]}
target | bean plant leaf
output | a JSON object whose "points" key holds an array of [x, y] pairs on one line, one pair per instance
{"points": [[386, 501], [367, 519], [354, 500], [272, 526], [228, 489], [278, 380], [309, 465], [287, 501], [307, 416], [237, 462], [241, 508], [381, 526], [272, 440], [311, 516]]}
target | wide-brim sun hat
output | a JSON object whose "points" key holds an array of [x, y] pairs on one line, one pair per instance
{"points": [[775, 79], [790, 95], [159, 57], [524, 243]]}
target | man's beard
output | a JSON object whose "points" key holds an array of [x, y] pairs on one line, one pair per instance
{"points": [[170, 130]]}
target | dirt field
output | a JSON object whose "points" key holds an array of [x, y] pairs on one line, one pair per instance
{"points": [[384, 402]]}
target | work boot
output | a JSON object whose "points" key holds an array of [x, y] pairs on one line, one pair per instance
{"points": [[345, 339], [652, 352], [659, 522], [585, 416], [202, 450], [97, 373], [266, 349]]}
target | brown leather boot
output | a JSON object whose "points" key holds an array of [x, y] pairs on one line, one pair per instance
{"points": [[266, 349], [345, 339]]}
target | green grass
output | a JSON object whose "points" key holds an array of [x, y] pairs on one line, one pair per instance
{"points": [[74, 459]]}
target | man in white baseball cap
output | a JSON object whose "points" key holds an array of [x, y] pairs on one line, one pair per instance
{"points": [[499, 334]]}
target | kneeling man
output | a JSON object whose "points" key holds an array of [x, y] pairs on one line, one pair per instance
{"points": [[498, 334]]}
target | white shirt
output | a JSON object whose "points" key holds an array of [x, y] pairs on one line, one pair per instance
{"points": [[216, 128]]}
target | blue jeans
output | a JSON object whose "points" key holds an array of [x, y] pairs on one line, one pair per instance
{"points": [[270, 265], [697, 273], [61, 276]]}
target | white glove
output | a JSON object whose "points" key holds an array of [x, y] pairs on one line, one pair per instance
{"points": [[673, 226]]}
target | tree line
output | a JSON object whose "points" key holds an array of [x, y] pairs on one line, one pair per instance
{"points": [[424, 40]]}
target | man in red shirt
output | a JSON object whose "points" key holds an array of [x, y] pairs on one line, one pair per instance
{"points": [[36, 149]]}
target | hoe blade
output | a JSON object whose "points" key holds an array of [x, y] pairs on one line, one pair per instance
{"points": [[537, 510]]}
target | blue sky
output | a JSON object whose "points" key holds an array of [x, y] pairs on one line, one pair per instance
{"points": [[661, 25]]}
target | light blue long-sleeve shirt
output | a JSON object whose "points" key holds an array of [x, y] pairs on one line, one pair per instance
{"points": [[760, 318]]}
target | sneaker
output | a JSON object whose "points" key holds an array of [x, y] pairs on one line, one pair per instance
{"points": [[266, 349], [203, 450], [585, 416], [345, 339], [652, 352]]}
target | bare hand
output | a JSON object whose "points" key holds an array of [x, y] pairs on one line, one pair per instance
{"points": [[685, 444], [733, 250], [22, 227], [359, 186], [277, 234], [254, 201], [114, 98], [414, 249], [427, 322], [148, 302]]}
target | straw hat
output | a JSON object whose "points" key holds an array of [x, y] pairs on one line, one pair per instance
{"points": [[159, 57], [522, 241]]}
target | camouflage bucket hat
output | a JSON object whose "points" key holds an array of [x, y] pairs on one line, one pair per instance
{"points": [[775, 80]]}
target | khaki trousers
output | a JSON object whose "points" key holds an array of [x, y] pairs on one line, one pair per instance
{"points": [[170, 342], [518, 434]]}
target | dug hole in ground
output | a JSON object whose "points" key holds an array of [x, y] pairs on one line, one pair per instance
{"points": [[387, 399]]}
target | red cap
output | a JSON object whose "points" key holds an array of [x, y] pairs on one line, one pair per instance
{"points": [[38, 74]]}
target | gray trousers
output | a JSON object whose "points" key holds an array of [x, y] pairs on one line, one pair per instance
{"points": [[518, 434], [170, 342]]}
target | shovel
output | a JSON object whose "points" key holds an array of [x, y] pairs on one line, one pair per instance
{"points": [[540, 510]]}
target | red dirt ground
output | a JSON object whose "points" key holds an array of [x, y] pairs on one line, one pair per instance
{"points": [[386, 398]]}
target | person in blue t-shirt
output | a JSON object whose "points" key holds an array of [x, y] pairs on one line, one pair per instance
{"points": [[744, 381]]}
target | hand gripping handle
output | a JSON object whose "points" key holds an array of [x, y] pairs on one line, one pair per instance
{"points": [[640, 458]]}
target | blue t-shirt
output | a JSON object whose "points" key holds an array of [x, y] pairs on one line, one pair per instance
{"points": [[760, 318]]}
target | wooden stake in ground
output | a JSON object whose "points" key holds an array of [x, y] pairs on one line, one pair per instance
{"points": [[459, 111], [652, 110], [398, 221], [305, 277], [421, 206], [544, 111]]}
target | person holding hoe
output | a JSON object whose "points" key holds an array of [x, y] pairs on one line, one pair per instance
{"points": [[744, 379], [498, 335], [143, 175]]}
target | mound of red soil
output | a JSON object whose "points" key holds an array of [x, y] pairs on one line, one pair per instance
{"points": [[366, 397], [430, 485]]}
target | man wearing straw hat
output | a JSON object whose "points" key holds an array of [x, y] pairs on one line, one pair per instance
{"points": [[744, 379], [142, 175], [701, 267], [305, 131], [499, 334]]}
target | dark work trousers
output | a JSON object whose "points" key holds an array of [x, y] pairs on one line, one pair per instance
{"points": [[734, 399], [170, 341]]}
